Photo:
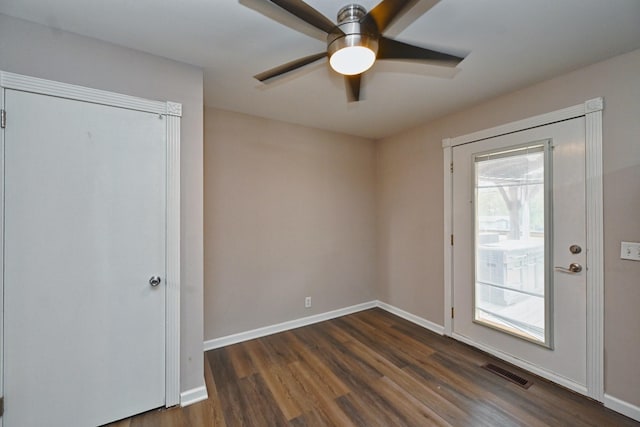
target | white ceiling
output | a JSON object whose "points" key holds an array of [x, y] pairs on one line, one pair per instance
{"points": [[511, 44]]}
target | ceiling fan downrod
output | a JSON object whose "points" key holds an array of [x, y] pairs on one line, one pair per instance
{"points": [[350, 13]]}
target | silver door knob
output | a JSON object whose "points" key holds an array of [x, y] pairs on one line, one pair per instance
{"points": [[154, 281], [574, 267]]}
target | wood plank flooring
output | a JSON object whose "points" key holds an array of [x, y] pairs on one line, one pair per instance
{"points": [[370, 369]]}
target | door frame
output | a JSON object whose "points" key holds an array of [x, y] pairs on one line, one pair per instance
{"points": [[592, 111], [172, 111]]}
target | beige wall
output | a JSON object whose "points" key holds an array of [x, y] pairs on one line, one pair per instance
{"points": [[410, 203], [290, 213], [39, 51]]}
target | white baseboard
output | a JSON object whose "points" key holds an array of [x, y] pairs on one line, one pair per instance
{"points": [[625, 408], [285, 326], [551, 376], [292, 324], [427, 324], [194, 395]]}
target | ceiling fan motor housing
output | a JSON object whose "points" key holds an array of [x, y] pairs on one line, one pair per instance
{"points": [[352, 32]]}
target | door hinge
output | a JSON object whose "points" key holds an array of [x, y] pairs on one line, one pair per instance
{"points": [[1, 406], [452, 313], [3, 119], [451, 165], [452, 240]]}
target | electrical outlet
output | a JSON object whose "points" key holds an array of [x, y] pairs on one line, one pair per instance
{"points": [[307, 302], [630, 250]]}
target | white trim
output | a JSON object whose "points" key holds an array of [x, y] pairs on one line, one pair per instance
{"points": [[448, 232], [316, 318], [592, 110], [595, 245], [172, 111], [172, 290], [621, 406], [427, 324], [594, 105], [285, 326], [195, 395], [565, 382], [520, 125], [1, 252], [81, 93]]}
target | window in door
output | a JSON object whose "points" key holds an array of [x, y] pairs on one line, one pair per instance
{"points": [[512, 241]]}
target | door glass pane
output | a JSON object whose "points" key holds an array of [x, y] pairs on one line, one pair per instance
{"points": [[510, 286]]}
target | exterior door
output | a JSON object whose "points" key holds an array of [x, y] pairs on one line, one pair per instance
{"points": [[519, 283], [84, 231]]}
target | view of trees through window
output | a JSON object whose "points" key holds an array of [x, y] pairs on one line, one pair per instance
{"points": [[510, 241]]}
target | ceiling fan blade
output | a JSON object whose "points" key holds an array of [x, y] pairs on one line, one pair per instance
{"points": [[393, 49], [278, 14], [289, 66], [352, 84], [307, 13], [385, 12]]}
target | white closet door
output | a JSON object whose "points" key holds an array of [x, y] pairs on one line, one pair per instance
{"points": [[84, 232]]}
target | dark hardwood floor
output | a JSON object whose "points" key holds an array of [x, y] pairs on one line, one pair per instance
{"points": [[370, 369]]}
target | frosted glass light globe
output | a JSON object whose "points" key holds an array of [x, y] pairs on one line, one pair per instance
{"points": [[352, 60]]}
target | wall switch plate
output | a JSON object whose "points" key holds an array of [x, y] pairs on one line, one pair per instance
{"points": [[630, 250]]}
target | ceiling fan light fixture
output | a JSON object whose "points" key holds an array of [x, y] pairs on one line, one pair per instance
{"points": [[352, 60], [352, 46], [352, 54]]}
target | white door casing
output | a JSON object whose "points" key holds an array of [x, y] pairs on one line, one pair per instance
{"points": [[592, 113], [129, 109]]}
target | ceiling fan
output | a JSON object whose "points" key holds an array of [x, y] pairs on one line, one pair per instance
{"points": [[355, 42]]}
